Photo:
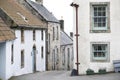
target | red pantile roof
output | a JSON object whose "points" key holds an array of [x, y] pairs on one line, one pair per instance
{"points": [[5, 32], [20, 15]]}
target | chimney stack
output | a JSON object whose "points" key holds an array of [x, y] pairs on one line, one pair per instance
{"points": [[39, 1], [20, 1], [61, 24], [71, 34]]}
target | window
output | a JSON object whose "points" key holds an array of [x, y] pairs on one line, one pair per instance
{"points": [[57, 33], [53, 33], [57, 55], [12, 54], [42, 35], [42, 51], [22, 35], [48, 42], [34, 34], [22, 59], [100, 51], [63, 56], [100, 16]]}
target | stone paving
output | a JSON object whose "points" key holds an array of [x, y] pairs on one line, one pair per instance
{"points": [[65, 75]]}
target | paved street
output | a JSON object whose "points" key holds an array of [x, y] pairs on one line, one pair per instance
{"points": [[65, 75]]}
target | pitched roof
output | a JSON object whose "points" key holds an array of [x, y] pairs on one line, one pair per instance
{"points": [[43, 11], [5, 32], [65, 39], [19, 14]]}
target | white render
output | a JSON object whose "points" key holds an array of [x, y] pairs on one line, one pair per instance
{"points": [[15, 69], [86, 37], [2, 59]]}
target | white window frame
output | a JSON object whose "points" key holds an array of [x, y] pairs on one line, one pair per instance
{"points": [[99, 29], [106, 58], [106, 17]]}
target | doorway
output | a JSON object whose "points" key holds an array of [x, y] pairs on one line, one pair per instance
{"points": [[34, 59]]}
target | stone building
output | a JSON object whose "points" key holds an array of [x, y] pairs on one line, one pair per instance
{"points": [[99, 30], [66, 49]]}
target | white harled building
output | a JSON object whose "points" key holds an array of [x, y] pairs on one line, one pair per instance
{"points": [[26, 53], [99, 30]]}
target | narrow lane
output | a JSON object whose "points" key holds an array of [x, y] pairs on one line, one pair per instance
{"points": [[65, 75]]}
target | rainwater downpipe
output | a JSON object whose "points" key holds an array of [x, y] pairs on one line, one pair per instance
{"points": [[77, 35]]}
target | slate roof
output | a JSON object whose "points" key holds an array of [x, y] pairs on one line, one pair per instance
{"points": [[19, 14], [65, 39], [43, 11], [5, 32]]}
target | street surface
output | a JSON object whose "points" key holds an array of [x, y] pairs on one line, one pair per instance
{"points": [[65, 75]]}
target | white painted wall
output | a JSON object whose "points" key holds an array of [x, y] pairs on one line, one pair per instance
{"points": [[2, 60], [54, 44], [15, 68], [86, 37]]}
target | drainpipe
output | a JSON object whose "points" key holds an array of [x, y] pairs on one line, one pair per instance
{"points": [[77, 35]]}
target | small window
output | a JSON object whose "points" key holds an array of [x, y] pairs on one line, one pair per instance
{"points": [[63, 56], [48, 42], [57, 33], [57, 55], [42, 51], [100, 51], [42, 35], [12, 54], [22, 35], [53, 33], [22, 59], [34, 36]]}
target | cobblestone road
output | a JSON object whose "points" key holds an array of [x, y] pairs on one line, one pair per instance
{"points": [[65, 75]]}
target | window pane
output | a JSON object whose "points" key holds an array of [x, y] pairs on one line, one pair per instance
{"points": [[104, 8], [103, 13], [99, 8], [95, 14], [103, 20], [99, 20], [95, 19], [95, 24], [99, 25], [99, 13], [104, 24], [95, 54], [95, 8]]}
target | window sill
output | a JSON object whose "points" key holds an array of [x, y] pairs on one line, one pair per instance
{"points": [[98, 60], [100, 31]]}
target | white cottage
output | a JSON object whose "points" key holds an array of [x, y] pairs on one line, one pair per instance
{"points": [[28, 51], [99, 30]]}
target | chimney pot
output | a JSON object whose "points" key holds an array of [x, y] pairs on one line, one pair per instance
{"points": [[39, 1], [71, 34], [61, 24]]}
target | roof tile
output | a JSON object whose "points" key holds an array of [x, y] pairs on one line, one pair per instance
{"points": [[19, 14], [5, 32]]}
